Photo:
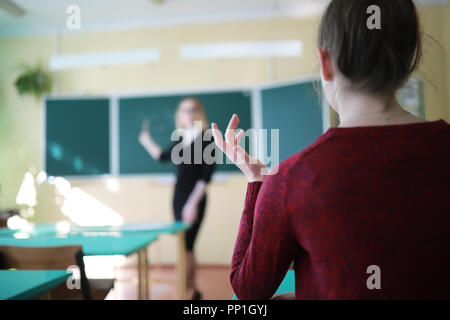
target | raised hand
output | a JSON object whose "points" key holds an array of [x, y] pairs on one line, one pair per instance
{"points": [[145, 124], [253, 169], [145, 139], [144, 135]]}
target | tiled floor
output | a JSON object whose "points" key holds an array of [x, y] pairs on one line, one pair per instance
{"points": [[212, 281]]}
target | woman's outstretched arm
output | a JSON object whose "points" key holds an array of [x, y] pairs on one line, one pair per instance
{"points": [[146, 140], [266, 244], [190, 209]]}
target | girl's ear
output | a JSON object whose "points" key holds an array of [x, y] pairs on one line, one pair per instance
{"points": [[326, 65]]}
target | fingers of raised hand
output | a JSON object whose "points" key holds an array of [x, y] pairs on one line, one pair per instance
{"points": [[230, 133], [242, 155], [218, 137], [142, 136], [238, 136], [231, 144], [145, 124], [225, 146]]}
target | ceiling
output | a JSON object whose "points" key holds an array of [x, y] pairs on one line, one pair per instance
{"points": [[49, 16]]}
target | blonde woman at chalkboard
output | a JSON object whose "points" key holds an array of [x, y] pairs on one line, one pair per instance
{"points": [[189, 200]]}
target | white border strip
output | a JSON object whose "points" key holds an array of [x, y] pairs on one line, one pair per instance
{"points": [[184, 91], [288, 82], [114, 136], [44, 133], [257, 121]]}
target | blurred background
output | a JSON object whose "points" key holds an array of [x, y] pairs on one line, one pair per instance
{"points": [[132, 46]]}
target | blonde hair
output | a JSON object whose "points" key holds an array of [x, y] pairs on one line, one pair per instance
{"points": [[200, 108]]}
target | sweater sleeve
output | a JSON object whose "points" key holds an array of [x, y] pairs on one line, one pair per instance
{"points": [[265, 245]]}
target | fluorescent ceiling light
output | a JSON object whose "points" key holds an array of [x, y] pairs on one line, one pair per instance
{"points": [[235, 50], [100, 59]]}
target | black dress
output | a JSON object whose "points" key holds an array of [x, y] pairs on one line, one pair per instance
{"points": [[188, 174]]}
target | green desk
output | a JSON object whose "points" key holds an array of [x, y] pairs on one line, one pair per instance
{"points": [[176, 228], [287, 285], [98, 244], [50, 229], [93, 244], [144, 228], [26, 284]]}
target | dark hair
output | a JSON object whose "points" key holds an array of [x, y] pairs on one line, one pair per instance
{"points": [[376, 61]]}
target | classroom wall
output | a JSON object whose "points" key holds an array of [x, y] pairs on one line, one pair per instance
{"points": [[145, 199], [447, 50], [434, 67]]}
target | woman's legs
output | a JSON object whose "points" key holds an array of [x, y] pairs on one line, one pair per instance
{"points": [[191, 235], [191, 265]]}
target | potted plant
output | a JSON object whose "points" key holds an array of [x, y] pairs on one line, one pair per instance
{"points": [[33, 80]]}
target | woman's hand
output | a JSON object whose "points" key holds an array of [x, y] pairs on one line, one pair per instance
{"points": [[144, 138], [254, 169], [189, 212]]}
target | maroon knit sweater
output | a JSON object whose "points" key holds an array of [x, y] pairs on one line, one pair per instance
{"points": [[356, 197]]}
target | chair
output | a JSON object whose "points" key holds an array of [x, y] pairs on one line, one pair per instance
{"points": [[49, 258]]}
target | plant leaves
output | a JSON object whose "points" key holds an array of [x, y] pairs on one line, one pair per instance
{"points": [[33, 81]]}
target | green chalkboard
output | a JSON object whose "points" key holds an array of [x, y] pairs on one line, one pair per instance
{"points": [[296, 110], [134, 159], [77, 137]]}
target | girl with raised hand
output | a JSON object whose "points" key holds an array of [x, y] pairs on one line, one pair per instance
{"points": [[363, 212]]}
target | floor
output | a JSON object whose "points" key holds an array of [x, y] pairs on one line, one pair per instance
{"points": [[212, 281]]}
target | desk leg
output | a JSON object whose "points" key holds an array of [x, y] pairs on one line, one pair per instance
{"points": [[140, 274], [146, 276], [143, 290], [181, 266]]}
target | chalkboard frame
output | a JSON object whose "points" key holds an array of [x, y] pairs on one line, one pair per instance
{"points": [[255, 91]]}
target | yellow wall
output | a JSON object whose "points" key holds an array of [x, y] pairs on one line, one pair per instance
{"points": [[447, 50], [144, 199], [436, 58]]}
